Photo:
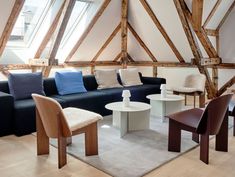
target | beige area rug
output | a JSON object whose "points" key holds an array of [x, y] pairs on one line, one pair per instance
{"points": [[136, 154]]}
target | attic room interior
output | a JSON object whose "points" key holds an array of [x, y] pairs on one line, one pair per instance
{"points": [[122, 88]]}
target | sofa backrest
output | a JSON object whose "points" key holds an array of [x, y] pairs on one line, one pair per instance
{"points": [[4, 87], [51, 89]]}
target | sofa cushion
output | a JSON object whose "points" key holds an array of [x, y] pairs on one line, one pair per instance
{"points": [[90, 82], [106, 78], [130, 77], [69, 82], [50, 87], [21, 86], [92, 101]]}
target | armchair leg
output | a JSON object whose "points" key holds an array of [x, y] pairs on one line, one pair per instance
{"points": [[62, 157], [69, 141], [174, 140], [195, 137], [42, 138], [185, 100], [202, 100], [204, 148], [91, 140], [221, 141]]}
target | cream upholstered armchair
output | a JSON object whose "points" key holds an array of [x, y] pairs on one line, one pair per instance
{"points": [[55, 122], [194, 85]]}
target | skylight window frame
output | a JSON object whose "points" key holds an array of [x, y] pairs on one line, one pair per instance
{"points": [[27, 44]]}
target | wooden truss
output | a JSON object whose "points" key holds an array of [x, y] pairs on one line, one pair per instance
{"points": [[191, 22]]}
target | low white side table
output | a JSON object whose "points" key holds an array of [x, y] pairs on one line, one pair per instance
{"points": [[134, 117], [164, 106]]}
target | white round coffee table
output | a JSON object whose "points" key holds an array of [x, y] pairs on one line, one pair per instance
{"points": [[164, 106], [134, 117]]}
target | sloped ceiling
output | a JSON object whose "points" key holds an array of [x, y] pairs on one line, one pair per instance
{"points": [[100, 32], [227, 39], [139, 19], [5, 8]]}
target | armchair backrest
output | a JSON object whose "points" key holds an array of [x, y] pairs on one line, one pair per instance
{"points": [[197, 81], [50, 113], [213, 114]]}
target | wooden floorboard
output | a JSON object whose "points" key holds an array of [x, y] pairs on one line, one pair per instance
{"points": [[18, 159]]}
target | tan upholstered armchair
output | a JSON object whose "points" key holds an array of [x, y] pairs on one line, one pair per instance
{"points": [[194, 85], [62, 124]]}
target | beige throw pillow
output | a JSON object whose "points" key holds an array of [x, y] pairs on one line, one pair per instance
{"points": [[130, 77], [106, 78]]}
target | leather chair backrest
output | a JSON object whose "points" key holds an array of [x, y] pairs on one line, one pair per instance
{"points": [[213, 115], [196, 81], [50, 112]]}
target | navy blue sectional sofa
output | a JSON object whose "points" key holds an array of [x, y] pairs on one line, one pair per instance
{"points": [[18, 117]]}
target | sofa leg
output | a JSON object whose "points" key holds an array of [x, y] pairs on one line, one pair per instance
{"points": [[222, 137], [91, 140], [204, 148], [42, 138], [174, 139]]}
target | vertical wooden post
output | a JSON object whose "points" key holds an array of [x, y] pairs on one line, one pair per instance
{"points": [[92, 69], [154, 71], [215, 77], [124, 17]]}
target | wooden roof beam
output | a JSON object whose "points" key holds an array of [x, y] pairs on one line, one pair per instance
{"points": [[10, 24], [201, 34], [87, 31], [141, 42], [161, 29], [182, 10], [197, 10]]}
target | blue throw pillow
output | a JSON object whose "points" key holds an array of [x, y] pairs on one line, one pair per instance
{"points": [[21, 86], [69, 82]]}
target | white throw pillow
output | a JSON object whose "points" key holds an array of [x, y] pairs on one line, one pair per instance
{"points": [[130, 77], [106, 78]]}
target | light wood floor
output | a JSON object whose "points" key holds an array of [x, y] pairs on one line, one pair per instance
{"points": [[18, 159]]}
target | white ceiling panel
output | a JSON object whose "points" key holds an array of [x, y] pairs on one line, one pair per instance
{"points": [[112, 50], [144, 26], [166, 10], [99, 33], [135, 50], [5, 8], [219, 14]]}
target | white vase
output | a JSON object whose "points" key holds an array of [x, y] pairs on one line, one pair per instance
{"points": [[126, 101]]}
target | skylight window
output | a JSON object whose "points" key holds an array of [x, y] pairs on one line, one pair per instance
{"points": [[31, 16], [79, 10]]}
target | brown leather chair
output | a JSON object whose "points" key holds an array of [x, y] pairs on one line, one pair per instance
{"points": [[55, 122], [211, 121]]}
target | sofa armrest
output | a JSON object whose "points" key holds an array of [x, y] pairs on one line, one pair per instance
{"points": [[6, 110], [153, 80]]}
